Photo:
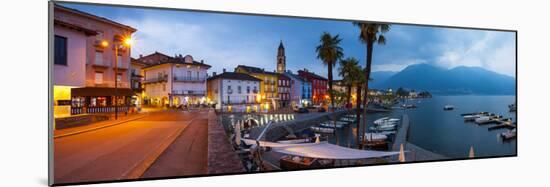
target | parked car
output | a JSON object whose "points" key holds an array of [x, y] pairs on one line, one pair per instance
{"points": [[321, 109]]}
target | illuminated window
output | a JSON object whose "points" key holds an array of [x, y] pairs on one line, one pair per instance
{"points": [[98, 77], [99, 58], [119, 61], [119, 77]]}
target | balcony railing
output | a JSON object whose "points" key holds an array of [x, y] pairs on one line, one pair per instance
{"points": [[93, 110], [189, 79], [110, 84], [156, 79], [189, 92], [229, 91], [239, 102], [102, 64]]}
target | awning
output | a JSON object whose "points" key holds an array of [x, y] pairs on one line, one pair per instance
{"points": [[98, 91], [323, 150]]}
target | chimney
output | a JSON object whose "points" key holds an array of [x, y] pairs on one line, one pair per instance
{"points": [[224, 70], [214, 73], [202, 61], [140, 56]]}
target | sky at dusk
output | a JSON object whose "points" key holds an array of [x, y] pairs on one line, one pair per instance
{"points": [[227, 40]]}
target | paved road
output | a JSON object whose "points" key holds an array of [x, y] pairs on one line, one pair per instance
{"points": [[121, 151], [187, 155]]}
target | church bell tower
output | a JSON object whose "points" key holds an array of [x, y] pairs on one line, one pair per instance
{"points": [[281, 59]]}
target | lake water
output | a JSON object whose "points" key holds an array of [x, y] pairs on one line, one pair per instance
{"points": [[445, 132], [432, 128]]}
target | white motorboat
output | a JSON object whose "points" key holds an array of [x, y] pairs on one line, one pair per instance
{"points": [[509, 135], [348, 119], [322, 129], [295, 141], [375, 136], [448, 107], [384, 128], [386, 121], [483, 119], [387, 133], [472, 117], [332, 124]]}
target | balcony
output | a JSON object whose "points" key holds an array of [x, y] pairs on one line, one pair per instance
{"points": [[244, 102], [156, 79], [229, 91], [121, 66], [189, 79], [107, 84], [189, 92], [255, 91], [101, 64]]}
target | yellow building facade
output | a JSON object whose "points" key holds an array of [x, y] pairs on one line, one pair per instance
{"points": [[268, 85]]}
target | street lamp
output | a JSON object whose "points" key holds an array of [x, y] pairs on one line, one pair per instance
{"points": [[117, 44]]}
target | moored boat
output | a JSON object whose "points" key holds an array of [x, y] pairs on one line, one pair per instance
{"points": [[322, 129], [370, 136], [448, 107], [289, 162], [509, 135]]}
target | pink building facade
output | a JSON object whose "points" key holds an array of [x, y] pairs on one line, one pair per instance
{"points": [[90, 72]]}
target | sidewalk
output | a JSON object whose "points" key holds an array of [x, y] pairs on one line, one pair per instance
{"points": [[222, 159], [99, 125]]}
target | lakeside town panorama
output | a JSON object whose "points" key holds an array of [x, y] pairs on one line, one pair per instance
{"points": [[142, 93]]}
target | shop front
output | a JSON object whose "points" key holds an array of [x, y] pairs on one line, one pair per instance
{"points": [[101, 100]]}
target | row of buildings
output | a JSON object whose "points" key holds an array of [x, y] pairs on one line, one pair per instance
{"points": [[94, 72]]}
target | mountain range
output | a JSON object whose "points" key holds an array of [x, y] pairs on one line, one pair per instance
{"points": [[439, 81]]}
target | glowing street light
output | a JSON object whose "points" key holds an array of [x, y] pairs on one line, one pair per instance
{"points": [[126, 42]]}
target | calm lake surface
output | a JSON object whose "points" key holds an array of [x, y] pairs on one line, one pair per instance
{"points": [[445, 132]]}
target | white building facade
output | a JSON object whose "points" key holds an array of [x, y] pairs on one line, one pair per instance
{"points": [[235, 92], [176, 81]]}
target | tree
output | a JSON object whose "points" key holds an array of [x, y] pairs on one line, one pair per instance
{"points": [[370, 33], [329, 52], [359, 81], [346, 71]]}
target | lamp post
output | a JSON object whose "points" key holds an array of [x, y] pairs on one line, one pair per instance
{"points": [[126, 42]]}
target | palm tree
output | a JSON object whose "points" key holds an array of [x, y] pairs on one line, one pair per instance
{"points": [[358, 82], [329, 52], [346, 71], [370, 33]]}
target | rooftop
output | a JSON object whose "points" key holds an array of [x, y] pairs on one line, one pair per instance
{"points": [[178, 59], [234, 76], [311, 74], [98, 18], [252, 69]]}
